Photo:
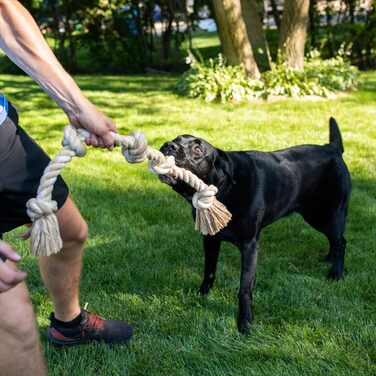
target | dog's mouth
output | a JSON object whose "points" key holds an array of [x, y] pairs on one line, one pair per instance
{"points": [[168, 179], [180, 157], [181, 150], [180, 161]]}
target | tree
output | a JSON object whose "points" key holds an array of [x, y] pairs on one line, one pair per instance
{"points": [[294, 31], [232, 31], [275, 13], [256, 34]]}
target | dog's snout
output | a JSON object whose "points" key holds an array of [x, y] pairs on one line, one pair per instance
{"points": [[173, 146], [169, 146]]}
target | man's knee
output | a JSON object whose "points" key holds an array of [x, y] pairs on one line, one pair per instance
{"points": [[73, 228], [80, 234], [76, 237]]}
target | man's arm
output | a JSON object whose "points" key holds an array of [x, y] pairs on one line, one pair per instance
{"points": [[22, 41]]}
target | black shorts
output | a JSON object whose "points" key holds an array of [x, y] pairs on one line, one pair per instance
{"points": [[22, 162]]}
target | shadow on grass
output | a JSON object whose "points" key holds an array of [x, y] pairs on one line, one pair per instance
{"points": [[144, 259], [147, 98], [127, 84], [149, 89], [143, 244]]}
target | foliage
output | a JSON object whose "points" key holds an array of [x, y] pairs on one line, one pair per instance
{"points": [[215, 80], [110, 37], [126, 36], [320, 77], [119, 36], [354, 24]]}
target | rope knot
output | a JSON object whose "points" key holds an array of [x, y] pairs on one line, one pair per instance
{"points": [[204, 198], [73, 141], [162, 167], [39, 208], [138, 152]]}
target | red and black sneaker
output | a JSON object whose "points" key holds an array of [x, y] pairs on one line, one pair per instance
{"points": [[92, 328]]}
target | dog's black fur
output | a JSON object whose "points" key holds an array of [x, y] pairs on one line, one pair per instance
{"points": [[260, 187]]}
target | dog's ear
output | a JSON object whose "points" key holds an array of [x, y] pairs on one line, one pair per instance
{"points": [[222, 168]]}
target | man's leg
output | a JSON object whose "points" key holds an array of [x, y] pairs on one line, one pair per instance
{"points": [[20, 351], [61, 275], [61, 272]]}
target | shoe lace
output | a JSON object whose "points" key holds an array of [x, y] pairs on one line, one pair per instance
{"points": [[94, 321]]}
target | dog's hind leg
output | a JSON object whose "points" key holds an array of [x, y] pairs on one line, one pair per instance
{"points": [[332, 224], [212, 246], [334, 232], [337, 255]]}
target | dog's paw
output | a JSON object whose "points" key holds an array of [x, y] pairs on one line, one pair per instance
{"points": [[204, 289], [335, 274], [244, 325]]}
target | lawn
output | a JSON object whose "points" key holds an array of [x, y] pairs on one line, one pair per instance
{"points": [[144, 259]]}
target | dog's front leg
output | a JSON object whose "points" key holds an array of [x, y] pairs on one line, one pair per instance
{"points": [[248, 271], [212, 246]]}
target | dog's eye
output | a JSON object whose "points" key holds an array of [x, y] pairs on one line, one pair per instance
{"points": [[197, 149]]}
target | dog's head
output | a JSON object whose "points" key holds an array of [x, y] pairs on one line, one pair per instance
{"points": [[196, 155]]}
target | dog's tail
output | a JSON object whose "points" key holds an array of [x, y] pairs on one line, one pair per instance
{"points": [[335, 137]]}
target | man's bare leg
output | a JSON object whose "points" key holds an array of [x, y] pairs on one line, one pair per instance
{"points": [[61, 272], [20, 351], [61, 275]]}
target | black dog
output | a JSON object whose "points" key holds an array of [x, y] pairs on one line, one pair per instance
{"points": [[260, 187]]}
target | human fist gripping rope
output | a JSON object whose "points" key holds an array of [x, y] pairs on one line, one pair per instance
{"points": [[45, 240]]}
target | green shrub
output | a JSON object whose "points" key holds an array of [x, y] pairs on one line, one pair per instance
{"points": [[214, 80]]}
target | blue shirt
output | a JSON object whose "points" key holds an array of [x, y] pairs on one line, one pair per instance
{"points": [[3, 108]]}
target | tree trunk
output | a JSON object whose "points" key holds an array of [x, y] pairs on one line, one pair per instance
{"points": [[312, 22], [152, 31], [275, 14], [72, 61], [256, 34], [228, 47], [329, 32], [140, 32], [166, 40], [233, 35], [352, 5], [294, 31]]}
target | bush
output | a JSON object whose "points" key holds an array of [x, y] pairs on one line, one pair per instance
{"points": [[214, 80]]}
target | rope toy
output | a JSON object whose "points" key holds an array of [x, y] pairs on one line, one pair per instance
{"points": [[45, 240]]}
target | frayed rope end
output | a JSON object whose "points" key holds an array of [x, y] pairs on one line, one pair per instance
{"points": [[212, 220], [45, 239]]}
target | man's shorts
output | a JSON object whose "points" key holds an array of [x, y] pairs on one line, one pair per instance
{"points": [[22, 163]]}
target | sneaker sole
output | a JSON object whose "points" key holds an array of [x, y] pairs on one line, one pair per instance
{"points": [[60, 342]]}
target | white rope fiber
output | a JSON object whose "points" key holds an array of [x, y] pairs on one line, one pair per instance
{"points": [[45, 240]]}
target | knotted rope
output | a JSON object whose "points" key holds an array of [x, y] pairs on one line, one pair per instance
{"points": [[211, 215]]}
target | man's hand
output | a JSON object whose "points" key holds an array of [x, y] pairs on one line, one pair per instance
{"points": [[86, 115], [9, 276]]}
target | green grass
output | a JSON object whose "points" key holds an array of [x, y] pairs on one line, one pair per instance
{"points": [[207, 44], [144, 259]]}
